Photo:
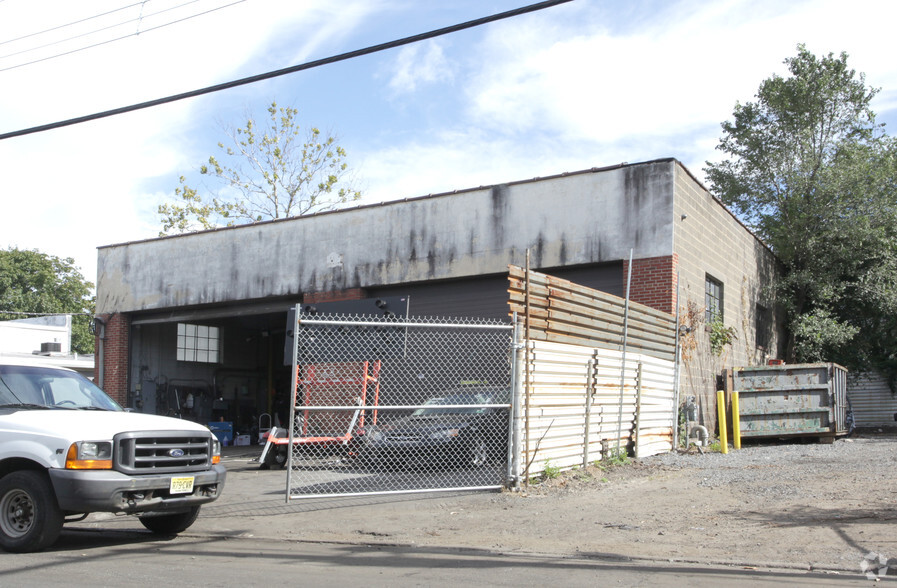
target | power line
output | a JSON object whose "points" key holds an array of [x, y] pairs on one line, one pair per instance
{"points": [[120, 38], [99, 30], [287, 70], [62, 26]]}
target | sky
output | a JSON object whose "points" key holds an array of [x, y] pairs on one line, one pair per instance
{"points": [[589, 83]]}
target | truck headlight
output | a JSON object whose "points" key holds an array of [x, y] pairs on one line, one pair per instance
{"points": [[216, 450], [89, 455]]}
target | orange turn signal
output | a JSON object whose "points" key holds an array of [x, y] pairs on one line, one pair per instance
{"points": [[74, 461]]}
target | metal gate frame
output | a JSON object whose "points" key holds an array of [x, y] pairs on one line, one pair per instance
{"points": [[512, 450]]}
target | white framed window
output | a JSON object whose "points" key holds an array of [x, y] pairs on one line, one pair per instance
{"points": [[199, 343]]}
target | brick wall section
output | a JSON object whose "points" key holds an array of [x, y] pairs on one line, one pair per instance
{"points": [[653, 282], [115, 356], [334, 296]]}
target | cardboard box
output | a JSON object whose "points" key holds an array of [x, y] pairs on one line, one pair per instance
{"points": [[241, 440]]}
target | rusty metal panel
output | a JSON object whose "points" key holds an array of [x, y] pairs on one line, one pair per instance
{"points": [[792, 400], [563, 312]]}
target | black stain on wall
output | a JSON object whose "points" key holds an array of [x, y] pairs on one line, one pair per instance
{"points": [[500, 205], [538, 251], [431, 264]]}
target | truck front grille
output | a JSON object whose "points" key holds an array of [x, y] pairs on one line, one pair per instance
{"points": [[159, 452]]}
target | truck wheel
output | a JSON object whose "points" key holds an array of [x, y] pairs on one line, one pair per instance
{"points": [[170, 524], [30, 518]]}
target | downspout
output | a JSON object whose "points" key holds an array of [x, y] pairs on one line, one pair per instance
{"points": [[676, 372], [99, 326]]}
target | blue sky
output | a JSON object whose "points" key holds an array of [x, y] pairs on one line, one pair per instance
{"points": [[584, 84]]}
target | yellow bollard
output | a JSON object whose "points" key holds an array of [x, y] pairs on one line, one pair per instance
{"points": [[721, 414], [736, 421]]}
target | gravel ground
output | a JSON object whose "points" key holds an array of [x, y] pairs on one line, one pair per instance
{"points": [[800, 505]]}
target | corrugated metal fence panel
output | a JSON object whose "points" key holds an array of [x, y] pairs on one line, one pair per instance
{"points": [[871, 399], [567, 427], [656, 409]]}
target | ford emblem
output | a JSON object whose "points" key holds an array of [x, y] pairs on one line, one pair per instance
{"points": [[176, 453]]}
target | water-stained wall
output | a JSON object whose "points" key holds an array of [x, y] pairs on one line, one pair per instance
{"points": [[579, 218]]}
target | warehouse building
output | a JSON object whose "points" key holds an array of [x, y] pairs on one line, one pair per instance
{"points": [[196, 325]]}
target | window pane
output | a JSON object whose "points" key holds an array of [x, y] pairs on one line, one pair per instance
{"points": [[198, 343], [713, 299]]}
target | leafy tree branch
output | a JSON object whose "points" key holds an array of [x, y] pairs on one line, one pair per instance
{"points": [[269, 172]]}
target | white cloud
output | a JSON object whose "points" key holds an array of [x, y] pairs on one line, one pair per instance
{"points": [[569, 92], [423, 63]]}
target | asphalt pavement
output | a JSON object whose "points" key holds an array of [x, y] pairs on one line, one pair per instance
{"points": [[560, 524]]}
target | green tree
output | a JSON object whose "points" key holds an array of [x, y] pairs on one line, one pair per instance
{"points": [[264, 173], [811, 172], [34, 283]]}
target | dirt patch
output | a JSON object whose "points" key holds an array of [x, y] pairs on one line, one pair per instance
{"points": [[824, 507]]}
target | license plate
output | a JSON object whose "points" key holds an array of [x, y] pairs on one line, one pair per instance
{"points": [[181, 485]]}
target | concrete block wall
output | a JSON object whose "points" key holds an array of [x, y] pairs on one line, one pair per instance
{"points": [[711, 240]]}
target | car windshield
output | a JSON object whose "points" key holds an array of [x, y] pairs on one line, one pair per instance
{"points": [[44, 387], [454, 398]]}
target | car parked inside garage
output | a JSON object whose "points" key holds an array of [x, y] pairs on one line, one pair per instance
{"points": [[462, 427]]}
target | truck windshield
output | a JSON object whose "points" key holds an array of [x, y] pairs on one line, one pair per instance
{"points": [[45, 387]]}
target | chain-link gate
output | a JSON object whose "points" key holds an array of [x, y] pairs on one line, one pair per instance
{"points": [[384, 405]]}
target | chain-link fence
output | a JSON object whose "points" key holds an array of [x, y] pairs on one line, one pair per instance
{"points": [[385, 405]]}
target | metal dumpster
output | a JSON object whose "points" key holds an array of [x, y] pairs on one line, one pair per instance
{"points": [[799, 400]]}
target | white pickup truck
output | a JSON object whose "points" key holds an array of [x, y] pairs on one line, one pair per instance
{"points": [[67, 450]]}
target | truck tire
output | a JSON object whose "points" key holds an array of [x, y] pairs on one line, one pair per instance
{"points": [[30, 518], [170, 524]]}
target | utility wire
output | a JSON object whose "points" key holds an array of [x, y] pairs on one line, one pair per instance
{"points": [[119, 38], [44, 313], [62, 26], [99, 30], [287, 70]]}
